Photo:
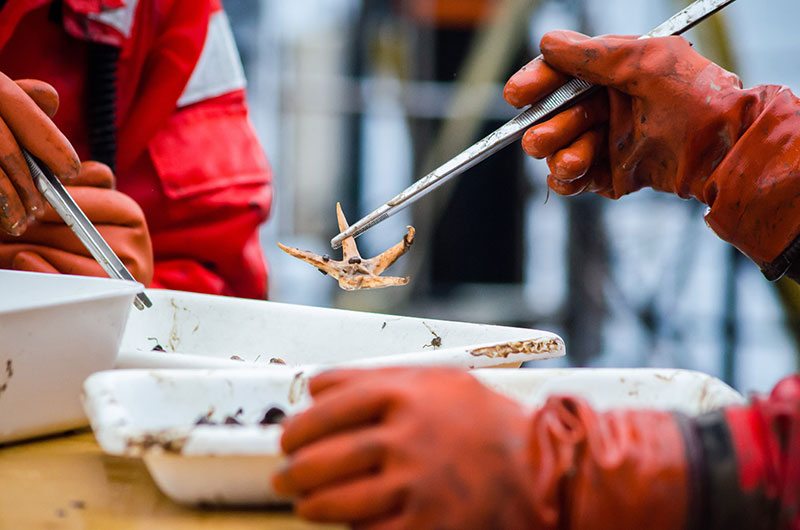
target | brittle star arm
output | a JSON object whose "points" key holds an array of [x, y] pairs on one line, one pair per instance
{"points": [[326, 265], [382, 261]]}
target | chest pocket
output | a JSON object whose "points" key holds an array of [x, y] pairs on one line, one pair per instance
{"points": [[207, 147]]}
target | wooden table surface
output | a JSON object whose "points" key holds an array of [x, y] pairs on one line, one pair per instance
{"points": [[67, 482]]}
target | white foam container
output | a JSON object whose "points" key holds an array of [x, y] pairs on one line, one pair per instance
{"points": [[55, 330], [204, 331], [152, 414]]}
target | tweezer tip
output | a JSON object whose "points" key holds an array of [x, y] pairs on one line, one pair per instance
{"points": [[142, 302]]}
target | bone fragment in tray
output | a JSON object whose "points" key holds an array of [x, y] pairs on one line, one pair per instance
{"points": [[353, 272]]}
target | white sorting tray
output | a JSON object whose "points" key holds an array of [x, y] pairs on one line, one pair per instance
{"points": [[55, 330], [204, 331], [152, 414]]}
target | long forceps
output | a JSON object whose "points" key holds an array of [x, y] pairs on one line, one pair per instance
{"points": [[58, 197], [563, 97]]}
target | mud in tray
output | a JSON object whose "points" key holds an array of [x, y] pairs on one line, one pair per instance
{"points": [[208, 438], [185, 330]]}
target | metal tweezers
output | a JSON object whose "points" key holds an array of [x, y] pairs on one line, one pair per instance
{"points": [[73, 216], [563, 97]]}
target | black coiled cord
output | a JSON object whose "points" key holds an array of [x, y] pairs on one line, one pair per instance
{"points": [[101, 107]]}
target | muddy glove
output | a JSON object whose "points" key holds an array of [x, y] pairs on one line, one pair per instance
{"points": [[49, 245], [430, 448], [24, 110], [672, 120]]}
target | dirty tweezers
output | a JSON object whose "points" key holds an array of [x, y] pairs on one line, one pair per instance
{"points": [[70, 212], [565, 96]]}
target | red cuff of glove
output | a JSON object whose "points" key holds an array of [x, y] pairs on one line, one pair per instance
{"points": [[754, 194], [618, 469]]}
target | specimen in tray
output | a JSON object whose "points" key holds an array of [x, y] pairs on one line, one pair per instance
{"points": [[354, 272], [273, 416]]}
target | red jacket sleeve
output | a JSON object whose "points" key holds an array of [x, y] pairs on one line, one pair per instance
{"points": [[188, 153]]}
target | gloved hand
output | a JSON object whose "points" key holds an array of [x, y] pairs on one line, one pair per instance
{"points": [[432, 448], [25, 111], [49, 245], [672, 120]]}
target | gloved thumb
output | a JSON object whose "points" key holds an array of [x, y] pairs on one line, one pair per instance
{"points": [[603, 60], [94, 174]]}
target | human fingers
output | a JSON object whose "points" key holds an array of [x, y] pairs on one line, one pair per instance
{"points": [[13, 219], [331, 460], [599, 60], [596, 180], [63, 261], [364, 498], [558, 132], [347, 407], [392, 522], [32, 262], [34, 130], [16, 170], [532, 82], [101, 206], [333, 378], [94, 174], [574, 161], [42, 93]]}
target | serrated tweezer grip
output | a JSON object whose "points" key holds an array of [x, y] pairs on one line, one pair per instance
{"points": [[61, 201], [565, 96]]}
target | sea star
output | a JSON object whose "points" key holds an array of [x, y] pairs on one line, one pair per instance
{"points": [[353, 272]]}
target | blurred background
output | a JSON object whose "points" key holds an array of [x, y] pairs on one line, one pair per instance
{"points": [[354, 100]]}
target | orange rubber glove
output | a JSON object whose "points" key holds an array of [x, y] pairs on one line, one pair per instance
{"points": [[432, 448], [25, 110], [672, 120], [49, 245]]}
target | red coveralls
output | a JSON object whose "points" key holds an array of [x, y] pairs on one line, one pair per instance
{"points": [[187, 152]]}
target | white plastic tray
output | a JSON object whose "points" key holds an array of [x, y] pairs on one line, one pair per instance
{"points": [[203, 331], [152, 414], [55, 330]]}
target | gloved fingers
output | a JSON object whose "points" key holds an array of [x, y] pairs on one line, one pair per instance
{"points": [[397, 522], [364, 498], [574, 161], [13, 219], [68, 263], [34, 130], [94, 174], [64, 262], [598, 60], [32, 262], [330, 460], [596, 180], [337, 410], [533, 82], [543, 140], [333, 378], [16, 169], [42, 93], [59, 235], [568, 189], [102, 207]]}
